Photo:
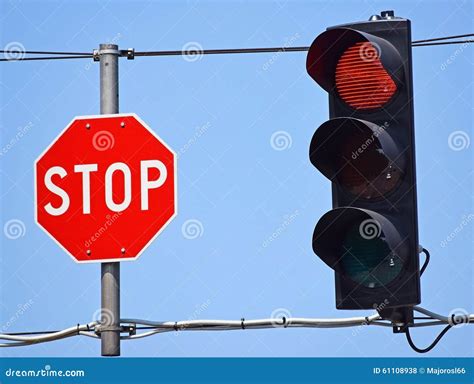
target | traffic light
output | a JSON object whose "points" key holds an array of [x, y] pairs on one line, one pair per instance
{"points": [[367, 150]]}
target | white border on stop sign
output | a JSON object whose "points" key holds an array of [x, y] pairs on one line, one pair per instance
{"points": [[175, 186]]}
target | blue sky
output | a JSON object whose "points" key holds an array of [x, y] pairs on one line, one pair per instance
{"points": [[220, 113]]}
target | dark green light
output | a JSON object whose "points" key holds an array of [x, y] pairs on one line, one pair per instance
{"points": [[368, 261]]}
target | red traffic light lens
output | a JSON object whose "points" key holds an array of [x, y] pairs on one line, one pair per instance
{"points": [[361, 80]]}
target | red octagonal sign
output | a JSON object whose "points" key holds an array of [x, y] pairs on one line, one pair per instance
{"points": [[105, 188]]}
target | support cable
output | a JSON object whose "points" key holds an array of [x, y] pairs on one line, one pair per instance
{"points": [[131, 326], [22, 52], [452, 321], [17, 340], [444, 43], [197, 52], [442, 38], [47, 58]]}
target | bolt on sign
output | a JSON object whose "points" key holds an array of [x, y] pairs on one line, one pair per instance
{"points": [[105, 188]]}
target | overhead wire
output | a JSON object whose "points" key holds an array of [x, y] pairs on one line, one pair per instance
{"points": [[444, 43], [16, 51], [452, 321], [132, 325], [442, 38], [198, 51], [62, 55], [47, 58], [20, 340]]}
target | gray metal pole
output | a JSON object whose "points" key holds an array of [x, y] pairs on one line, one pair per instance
{"points": [[110, 272]]}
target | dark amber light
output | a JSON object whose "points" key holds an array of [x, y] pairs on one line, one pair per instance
{"points": [[368, 174], [361, 80]]}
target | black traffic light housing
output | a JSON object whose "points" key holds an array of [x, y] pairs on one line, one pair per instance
{"points": [[367, 150]]}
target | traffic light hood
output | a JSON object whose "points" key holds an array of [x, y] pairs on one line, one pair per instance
{"points": [[328, 47], [358, 153], [350, 240]]}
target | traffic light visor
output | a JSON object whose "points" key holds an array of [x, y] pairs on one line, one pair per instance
{"points": [[361, 245], [358, 155], [363, 70]]}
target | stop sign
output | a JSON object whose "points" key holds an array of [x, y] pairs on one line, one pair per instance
{"points": [[105, 188]]}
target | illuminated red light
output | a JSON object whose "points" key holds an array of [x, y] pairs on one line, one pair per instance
{"points": [[361, 80]]}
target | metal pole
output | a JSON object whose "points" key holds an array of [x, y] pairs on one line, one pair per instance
{"points": [[110, 272]]}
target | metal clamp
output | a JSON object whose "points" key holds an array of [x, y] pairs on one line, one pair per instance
{"points": [[108, 328], [130, 52], [131, 329], [109, 51], [96, 53]]}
